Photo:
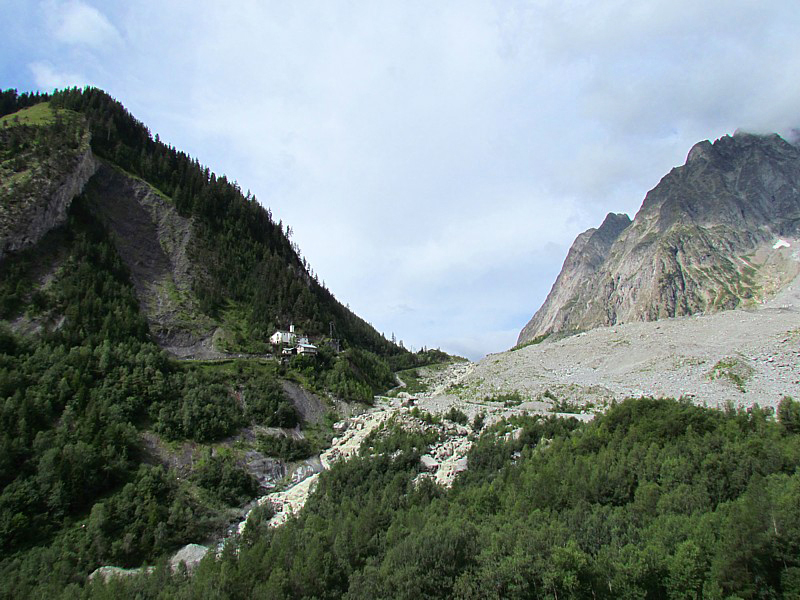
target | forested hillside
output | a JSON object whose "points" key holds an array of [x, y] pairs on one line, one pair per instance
{"points": [[112, 452], [655, 499], [93, 411]]}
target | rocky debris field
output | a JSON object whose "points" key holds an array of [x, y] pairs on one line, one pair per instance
{"points": [[445, 459], [189, 556], [741, 357]]}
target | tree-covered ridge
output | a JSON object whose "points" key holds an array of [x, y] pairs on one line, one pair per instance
{"points": [[71, 400], [246, 257], [655, 499], [82, 385], [77, 487], [11, 100]]}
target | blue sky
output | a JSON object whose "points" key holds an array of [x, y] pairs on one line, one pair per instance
{"points": [[435, 160]]}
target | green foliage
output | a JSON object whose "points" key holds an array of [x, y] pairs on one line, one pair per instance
{"points": [[734, 370], [357, 375], [69, 403], [257, 524], [207, 407], [532, 342], [285, 447], [203, 410], [266, 403], [38, 146], [789, 415], [422, 358], [562, 405], [38, 114], [414, 383], [149, 516], [224, 480], [456, 416], [507, 398], [74, 397], [479, 421], [73, 492], [425, 416], [393, 438], [657, 499], [11, 100], [247, 258]]}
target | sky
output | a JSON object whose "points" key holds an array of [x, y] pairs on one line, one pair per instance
{"points": [[434, 160]]}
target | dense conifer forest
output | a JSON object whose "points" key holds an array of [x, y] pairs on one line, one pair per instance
{"points": [[248, 259], [655, 499]]}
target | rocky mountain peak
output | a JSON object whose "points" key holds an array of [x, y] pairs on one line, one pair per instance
{"points": [[612, 226], [700, 242]]}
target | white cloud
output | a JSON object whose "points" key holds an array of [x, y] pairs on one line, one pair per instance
{"points": [[436, 160], [75, 22], [48, 78]]}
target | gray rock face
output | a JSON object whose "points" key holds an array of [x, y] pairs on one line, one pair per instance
{"points": [[35, 219], [190, 555], [153, 240], [586, 257], [699, 242]]}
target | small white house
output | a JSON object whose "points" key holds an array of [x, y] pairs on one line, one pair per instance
{"points": [[307, 349], [282, 338]]}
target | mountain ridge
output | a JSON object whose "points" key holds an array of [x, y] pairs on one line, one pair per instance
{"points": [[231, 279], [700, 242]]}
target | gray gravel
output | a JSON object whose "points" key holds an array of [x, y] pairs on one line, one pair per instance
{"points": [[742, 357]]}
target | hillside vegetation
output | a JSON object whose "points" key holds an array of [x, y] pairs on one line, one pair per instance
{"points": [[655, 499], [244, 257], [93, 411]]}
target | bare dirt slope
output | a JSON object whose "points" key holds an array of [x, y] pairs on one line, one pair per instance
{"points": [[153, 240]]}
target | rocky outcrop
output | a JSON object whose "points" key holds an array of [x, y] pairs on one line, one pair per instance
{"points": [[587, 255], [28, 221], [189, 556], [702, 241]]}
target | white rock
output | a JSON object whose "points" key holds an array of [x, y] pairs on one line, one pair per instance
{"points": [[190, 555]]}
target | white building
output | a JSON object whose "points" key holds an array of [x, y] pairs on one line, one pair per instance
{"points": [[308, 349], [285, 338]]}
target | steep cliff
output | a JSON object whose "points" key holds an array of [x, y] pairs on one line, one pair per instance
{"points": [[43, 168], [702, 241], [153, 240], [587, 255]]}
